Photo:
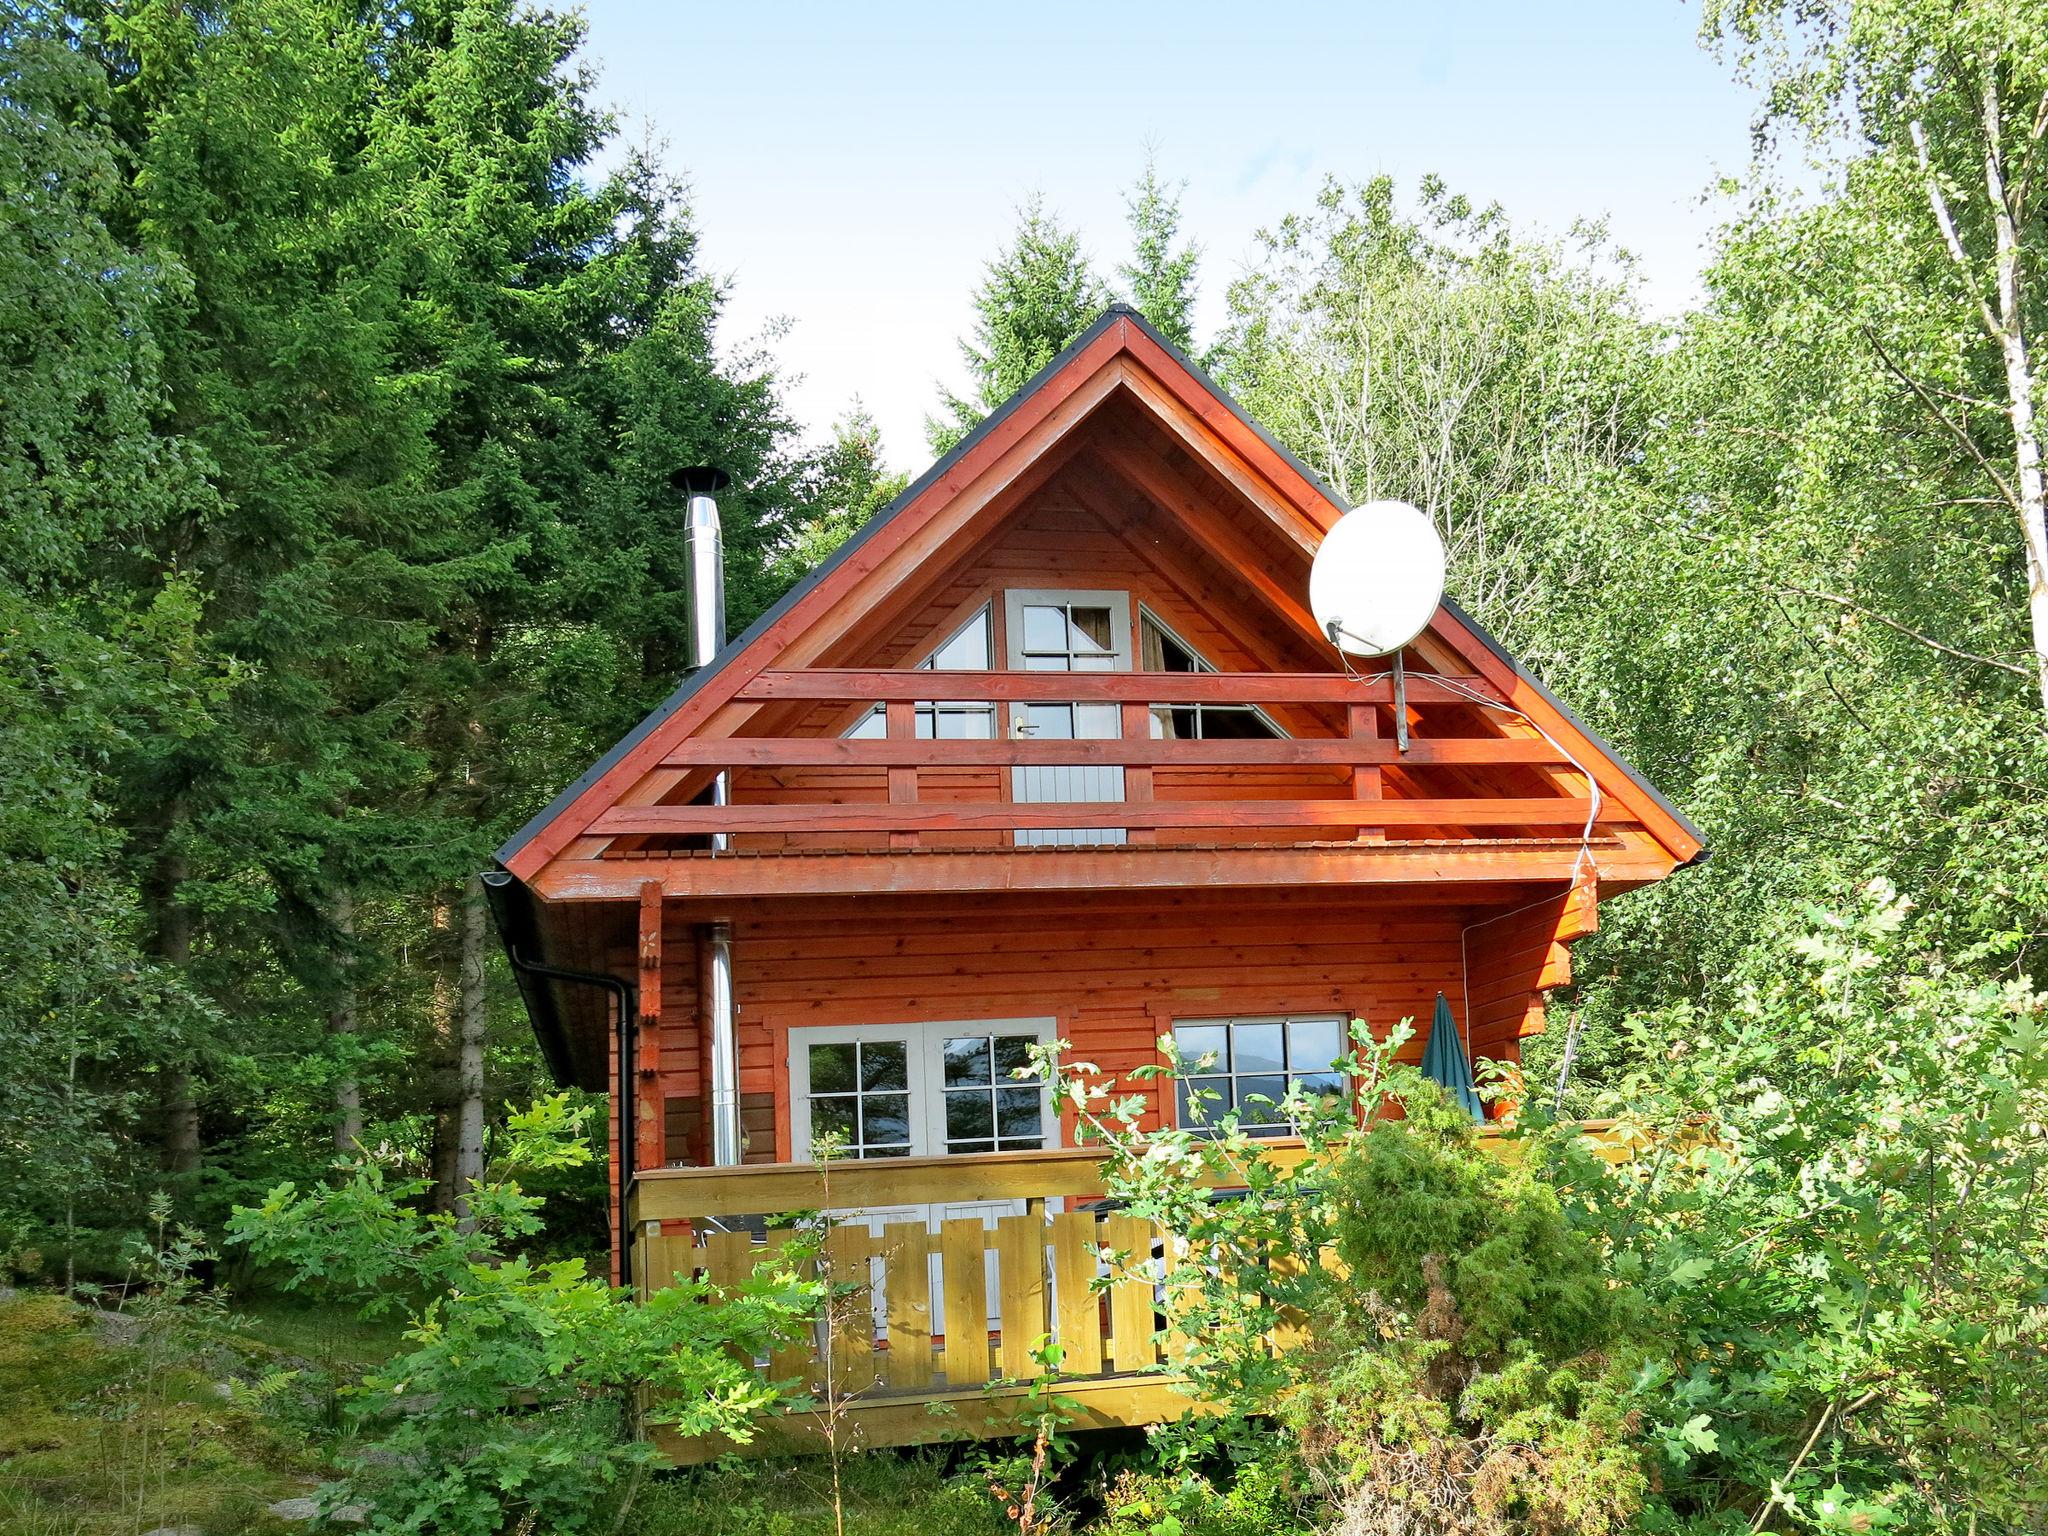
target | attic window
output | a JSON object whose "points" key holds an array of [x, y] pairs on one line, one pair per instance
{"points": [[1164, 651], [965, 650]]}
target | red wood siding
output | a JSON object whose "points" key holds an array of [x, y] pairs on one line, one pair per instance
{"points": [[1115, 972]]}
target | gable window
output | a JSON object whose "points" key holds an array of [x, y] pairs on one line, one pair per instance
{"points": [[1246, 1065], [965, 650], [1164, 651]]}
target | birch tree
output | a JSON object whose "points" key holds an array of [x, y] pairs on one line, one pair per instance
{"points": [[1934, 113]]}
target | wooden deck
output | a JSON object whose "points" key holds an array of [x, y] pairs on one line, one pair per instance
{"points": [[1060, 1268]]}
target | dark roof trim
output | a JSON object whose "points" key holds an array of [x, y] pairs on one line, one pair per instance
{"points": [[917, 488], [1600, 743]]}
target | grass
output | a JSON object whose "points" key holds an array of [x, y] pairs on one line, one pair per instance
{"points": [[887, 1494], [112, 1429]]}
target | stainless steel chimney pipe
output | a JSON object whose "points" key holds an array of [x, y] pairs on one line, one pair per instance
{"points": [[704, 550]]}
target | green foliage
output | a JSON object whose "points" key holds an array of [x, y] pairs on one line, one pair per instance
{"points": [[1035, 296], [884, 1493], [519, 1395], [1159, 280], [1840, 1232]]}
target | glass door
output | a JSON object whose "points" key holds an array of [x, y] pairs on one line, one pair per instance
{"points": [[1067, 631], [922, 1090]]}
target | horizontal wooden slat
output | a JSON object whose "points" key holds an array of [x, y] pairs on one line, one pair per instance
{"points": [[978, 872], [678, 1194], [1339, 751], [851, 685], [682, 820]]}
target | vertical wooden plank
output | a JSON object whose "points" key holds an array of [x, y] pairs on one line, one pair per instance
{"points": [[1131, 1343], [962, 1241], [907, 1296], [1364, 723], [1289, 1334], [847, 1249], [1077, 1309], [650, 1134], [1176, 1344], [1137, 726], [901, 716], [1020, 1290], [793, 1359], [728, 1257]]}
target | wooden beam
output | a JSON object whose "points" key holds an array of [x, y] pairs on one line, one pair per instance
{"points": [[841, 683], [1131, 751], [683, 820], [720, 878]]}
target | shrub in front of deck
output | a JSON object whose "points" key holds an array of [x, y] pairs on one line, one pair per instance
{"points": [[1470, 1366], [518, 1402]]}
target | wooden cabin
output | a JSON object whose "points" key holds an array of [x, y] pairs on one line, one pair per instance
{"points": [[1051, 749]]}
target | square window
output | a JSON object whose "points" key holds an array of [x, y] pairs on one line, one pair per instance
{"points": [[884, 1065], [1253, 1063], [832, 1068], [966, 1060], [969, 1116], [1257, 1048]]}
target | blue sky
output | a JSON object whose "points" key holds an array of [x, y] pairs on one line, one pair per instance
{"points": [[853, 166]]}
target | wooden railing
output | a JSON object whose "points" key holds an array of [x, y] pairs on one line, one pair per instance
{"points": [[1143, 813], [947, 1311]]}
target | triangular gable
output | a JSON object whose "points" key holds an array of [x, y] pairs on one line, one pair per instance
{"points": [[1024, 439]]}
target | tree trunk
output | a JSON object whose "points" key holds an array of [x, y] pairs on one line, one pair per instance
{"points": [[469, 1059], [2016, 351], [177, 1102], [341, 1024], [441, 1074]]}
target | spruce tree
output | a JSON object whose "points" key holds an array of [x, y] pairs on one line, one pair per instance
{"points": [[1038, 294], [1159, 279]]}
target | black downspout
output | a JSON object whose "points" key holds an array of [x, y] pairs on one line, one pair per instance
{"points": [[626, 1032]]}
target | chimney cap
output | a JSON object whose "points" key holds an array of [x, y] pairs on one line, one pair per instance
{"points": [[700, 480]]}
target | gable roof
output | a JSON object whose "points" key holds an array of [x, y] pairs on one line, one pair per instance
{"points": [[1118, 330]]}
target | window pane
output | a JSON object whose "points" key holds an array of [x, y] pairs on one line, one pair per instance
{"points": [[1017, 1112], [1173, 656], [1312, 1044], [1206, 1097], [966, 1060], [927, 721], [1091, 629], [967, 650], [1045, 628], [1095, 722], [903, 1151], [1324, 1087], [1233, 722], [970, 1146], [884, 1118], [1094, 663], [1199, 1040], [1258, 1098], [830, 1115], [872, 726], [831, 1069], [1256, 1048], [1013, 1055], [885, 1064], [1055, 662], [1050, 722], [1023, 1144], [964, 722], [969, 1115]]}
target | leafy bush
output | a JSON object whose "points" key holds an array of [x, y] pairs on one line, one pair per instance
{"points": [[527, 1383], [1839, 1222]]}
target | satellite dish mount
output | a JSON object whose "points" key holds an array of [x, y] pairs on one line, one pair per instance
{"points": [[1375, 585]]}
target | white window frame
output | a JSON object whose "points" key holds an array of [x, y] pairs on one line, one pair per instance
{"points": [[1202, 665], [1288, 1074], [926, 1077]]}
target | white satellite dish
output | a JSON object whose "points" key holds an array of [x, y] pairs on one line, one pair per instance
{"points": [[1377, 579]]}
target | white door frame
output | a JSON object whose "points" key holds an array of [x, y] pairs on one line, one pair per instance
{"points": [[1092, 784]]}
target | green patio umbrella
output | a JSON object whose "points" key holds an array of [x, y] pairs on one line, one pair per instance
{"points": [[1443, 1061]]}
